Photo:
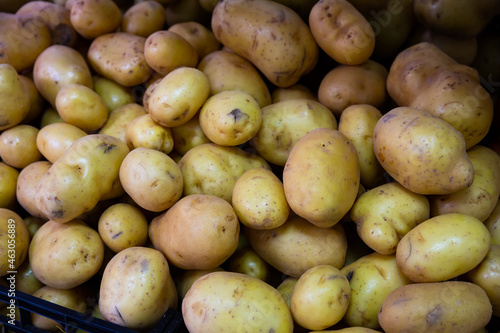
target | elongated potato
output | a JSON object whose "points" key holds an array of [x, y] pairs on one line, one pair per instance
{"points": [[27, 187]]}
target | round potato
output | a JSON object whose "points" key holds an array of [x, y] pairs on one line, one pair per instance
{"points": [[15, 104], [18, 146], [8, 185], [15, 241], [26, 186], [145, 132], [188, 135], [198, 35], [119, 119], [144, 18], [54, 139], [93, 18]]}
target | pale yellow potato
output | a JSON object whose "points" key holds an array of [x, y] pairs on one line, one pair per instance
{"points": [[449, 306], [18, 146], [152, 179], [119, 56], [54, 139], [312, 189], [8, 185], [427, 157], [198, 35], [347, 85], [36, 101], [259, 199], [113, 94], [286, 288], [228, 301], [50, 116], [188, 135], [151, 85], [480, 198], [26, 281], [145, 132], [230, 118], [122, 226], [81, 106], [165, 51], [296, 91], [357, 122], [34, 223], [57, 66], [119, 119], [16, 105], [143, 18], [270, 35], [298, 245], [384, 214], [284, 123], [93, 18], [493, 224], [137, 288], [342, 31], [371, 277], [178, 96], [443, 247], [213, 170], [351, 329], [185, 279], [245, 260], [15, 241], [26, 186], [65, 255], [320, 297], [225, 69], [208, 222], [85, 174]]}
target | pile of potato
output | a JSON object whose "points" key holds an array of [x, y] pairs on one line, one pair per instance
{"points": [[258, 165]]}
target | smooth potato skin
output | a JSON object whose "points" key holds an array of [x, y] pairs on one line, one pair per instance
{"points": [[8, 185], [54, 139], [26, 186], [16, 104], [22, 240], [119, 119], [449, 306]]}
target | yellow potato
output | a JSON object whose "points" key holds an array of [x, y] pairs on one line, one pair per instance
{"points": [[449, 306], [198, 35], [50, 116], [15, 241], [272, 36], [443, 247], [188, 135], [371, 277], [320, 297], [298, 245], [185, 11], [54, 139], [36, 101], [145, 132], [422, 152], [259, 199], [342, 31], [137, 288], [351, 329], [245, 260], [26, 186], [65, 255], [313, 190], [93, 18], [113, 94], [286, 288], [15, 105], [178, 96], [8, 184], [185, 279], [18, 146], [234, 302], [143, 18], [26, 281], [493, 224], [119, 118], [297, 91], [152, 179], [208, 222]]}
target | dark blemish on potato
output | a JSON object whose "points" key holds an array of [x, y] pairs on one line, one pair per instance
{"points": [[237, 114], [332, 277], [434, 316], [349, 275], [279, 18], [57, 213], [271, 330], [144, 265], [388, 117], [107, 147], [117, 235]]}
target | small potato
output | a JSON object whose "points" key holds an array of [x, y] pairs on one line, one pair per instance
{"points": [[65, 255], [284, 123], [459, 240], [286, 288], [297, 91], [345, 85], [137, 288], [320, 297], [342, 31], [54, 139], [26, 186], [188, 135], [185, 279], [233, 302], [493, 224], [26, 281], [152, 179], [81, 106], [122, 226], [57, 66], [230, 118], [371, 277], [208, 222], [8, 184], [93, 18], [36, 101], [357, 122], [145, 132], [18, 146], [178, 96], [50, 116], [449, 306], [259, 199], [119, 118], [113, 94], [15, 105], [298, 245], [144, 18], [119, 56], [198, 35], [15, 241], [245, 260]]}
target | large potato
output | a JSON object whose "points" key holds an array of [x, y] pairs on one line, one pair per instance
{"points": [[443, 247], [272, 36], [15, 105], [298, 245], [321, 177], [27, 182], [234, 302], [65, 255], [85, 174], [137, 288], [422, 152], [450, 306], [15, 241]]}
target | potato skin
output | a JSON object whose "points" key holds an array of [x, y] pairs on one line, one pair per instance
{"points": [[281, 47], [93, 18], [143, 18], [8, 185], [11, 221], [15, 104], [54, 139], [449, 306], [18, 146], [26, 186]]}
